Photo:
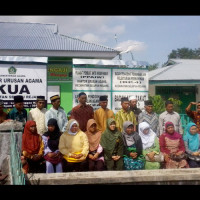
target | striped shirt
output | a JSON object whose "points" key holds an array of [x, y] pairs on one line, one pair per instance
{"points": [[151, 119], [82, 113]]}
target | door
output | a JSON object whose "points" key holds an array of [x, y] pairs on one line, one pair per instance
{"points": [[186, 94]]}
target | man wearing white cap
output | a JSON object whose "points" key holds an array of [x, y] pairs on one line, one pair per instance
{"points": [[133, 106], [56, 112]]}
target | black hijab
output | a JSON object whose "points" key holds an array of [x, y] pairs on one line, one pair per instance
{"points": [[53, 137]]}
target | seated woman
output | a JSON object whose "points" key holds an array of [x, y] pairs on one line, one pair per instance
{"points": [[74, 146], [96, 159], [192, 145], [150, 144], [173, 148], [32, 149], [112, 143], [133, 158], [52, 155]]}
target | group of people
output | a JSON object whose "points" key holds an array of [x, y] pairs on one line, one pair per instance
{"points": [[98, 140]]}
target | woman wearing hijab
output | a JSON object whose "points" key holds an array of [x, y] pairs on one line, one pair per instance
{"points": [[32, 149], [74, 146], [133, 158], [173, 148], [112, 143], [52, 155], [192, 145], [96, 159], [150, 144]]}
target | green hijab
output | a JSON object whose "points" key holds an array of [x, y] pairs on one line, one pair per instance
{"points": [[109, 137]]}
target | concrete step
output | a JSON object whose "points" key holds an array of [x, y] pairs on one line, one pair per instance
{"points": [[158, 177]]}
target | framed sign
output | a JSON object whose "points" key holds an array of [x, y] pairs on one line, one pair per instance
{"points": [[114, 81], [20, 79]]}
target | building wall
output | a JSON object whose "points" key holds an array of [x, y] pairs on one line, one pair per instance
{"points": [[185, 94], [65, 94], [64, 84]]}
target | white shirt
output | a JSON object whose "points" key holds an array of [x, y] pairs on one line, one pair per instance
{"points": [[38, 116], [59, 115], [173, 117]]}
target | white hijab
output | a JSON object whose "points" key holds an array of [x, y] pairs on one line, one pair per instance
{"points": [[147, 139], [68, 126]]}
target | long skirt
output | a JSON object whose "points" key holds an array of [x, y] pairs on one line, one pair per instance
{"points": [[114, 165], [152, 165], [133, 164], [172, 164]]}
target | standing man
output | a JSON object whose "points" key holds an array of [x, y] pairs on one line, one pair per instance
{"points": [[195, 115], [133, 107], [57, 113], [38, 115], [82, 112], [18, 113], [125, 114], [3, 115], [150, 117], [102, 114], [171, 116]]}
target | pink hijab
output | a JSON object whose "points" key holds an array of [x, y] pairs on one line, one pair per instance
{"points": [[173, 136]]}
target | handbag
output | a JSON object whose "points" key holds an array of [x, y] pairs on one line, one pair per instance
{"points": [[178, 158], [157, 158]]}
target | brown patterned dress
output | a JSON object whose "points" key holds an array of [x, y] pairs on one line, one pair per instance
{"points": [[173, 147]]}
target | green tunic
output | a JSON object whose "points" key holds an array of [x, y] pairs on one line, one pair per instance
{"points": [[112, 144], [155, 148]]}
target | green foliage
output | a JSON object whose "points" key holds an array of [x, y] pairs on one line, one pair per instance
{"points": [[153, 67], [159, 104], [185, 53], [177, 103]]}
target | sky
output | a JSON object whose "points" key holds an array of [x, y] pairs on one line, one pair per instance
{"points": [[140, 38]]}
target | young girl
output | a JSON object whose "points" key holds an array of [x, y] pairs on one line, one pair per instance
{"points": [[192, 145], [96, 159], [52, 155]]}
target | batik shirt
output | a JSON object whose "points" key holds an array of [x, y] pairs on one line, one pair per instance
{"points": [[195, 117], [14, 114], [122, 116]]}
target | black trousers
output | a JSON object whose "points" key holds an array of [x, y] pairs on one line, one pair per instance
{"points": [[37, 166], [193, 164], [75, 167], [96, 165]]}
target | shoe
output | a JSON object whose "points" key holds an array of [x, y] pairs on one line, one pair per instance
{"points": [[2, 177]]}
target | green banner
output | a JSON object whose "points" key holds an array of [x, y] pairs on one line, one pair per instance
{"points": [[59, 72]]}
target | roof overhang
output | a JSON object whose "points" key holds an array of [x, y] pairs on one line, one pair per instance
{"points": [[59, 53], [168, 82], [24, 59]]}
